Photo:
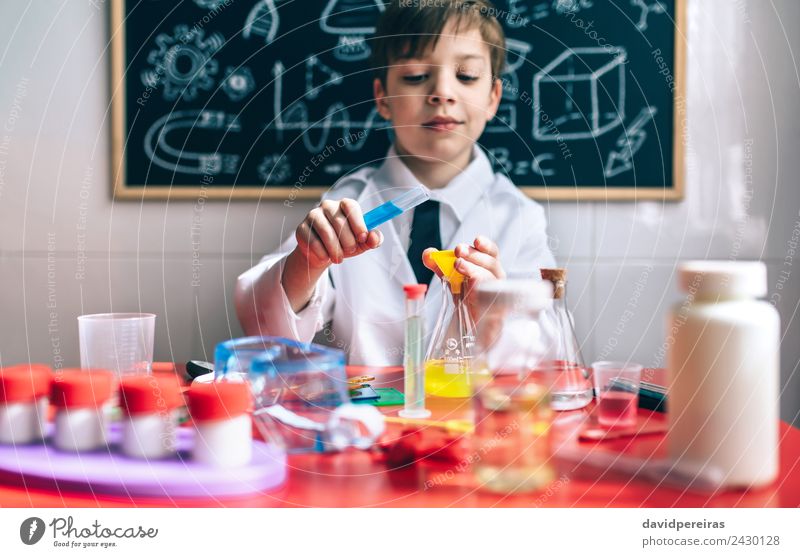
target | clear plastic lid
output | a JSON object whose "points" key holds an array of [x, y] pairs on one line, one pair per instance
{"points": [[413, 197]]}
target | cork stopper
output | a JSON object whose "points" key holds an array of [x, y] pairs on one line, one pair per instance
{"points": [[559, 279]]}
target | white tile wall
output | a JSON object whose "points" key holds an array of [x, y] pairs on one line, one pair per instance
{"points": [[43, 297], [742, 199]]}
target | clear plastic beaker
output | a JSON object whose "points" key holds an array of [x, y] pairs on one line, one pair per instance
{"points": [[300, 393], [572, 387], [449, 358], [511, 400], [617, 386], [119, 342], [233, 358]]}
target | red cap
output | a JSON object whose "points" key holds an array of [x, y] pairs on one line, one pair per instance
{"points": [[81, 388], [149, 394], [24, 382], [415, 291], [218, 400]]}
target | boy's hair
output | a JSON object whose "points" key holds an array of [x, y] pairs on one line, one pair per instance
{"points": [[408, 27]]}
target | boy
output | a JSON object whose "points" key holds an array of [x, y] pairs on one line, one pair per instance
{"points": [[437, 66]]}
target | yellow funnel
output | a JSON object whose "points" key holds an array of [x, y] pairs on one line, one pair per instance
{"points": [[446, 260]]}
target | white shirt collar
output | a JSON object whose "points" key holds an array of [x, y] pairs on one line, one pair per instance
{"points": [[394, 177]]}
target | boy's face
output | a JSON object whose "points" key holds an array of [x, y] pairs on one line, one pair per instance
{"points": [[440, 103]]}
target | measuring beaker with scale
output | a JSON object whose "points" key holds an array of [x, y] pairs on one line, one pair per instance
{"points": [[449, 359], [119, 342]]}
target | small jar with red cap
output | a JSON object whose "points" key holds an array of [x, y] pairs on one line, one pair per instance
{"points": [[24, 395], [150, 406], [220, 413], [80, 397]]}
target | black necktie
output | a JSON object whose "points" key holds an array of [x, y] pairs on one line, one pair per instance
{"points": [[424, 234]]}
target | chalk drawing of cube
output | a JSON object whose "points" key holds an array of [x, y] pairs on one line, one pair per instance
{"points": [[580, 94]]}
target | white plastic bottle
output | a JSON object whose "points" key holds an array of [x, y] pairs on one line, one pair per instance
{"points": [[221, 415], [724, 373]]}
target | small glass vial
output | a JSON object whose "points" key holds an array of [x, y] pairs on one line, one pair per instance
{"points": [[24, 399], [150, 415], [220, 413], [80, 397]]}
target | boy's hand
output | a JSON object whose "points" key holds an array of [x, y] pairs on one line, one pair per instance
{"points": [[476, 262], [333, 232]]}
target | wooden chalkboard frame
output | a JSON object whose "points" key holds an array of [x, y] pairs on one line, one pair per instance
{"points": [[122, 191]]}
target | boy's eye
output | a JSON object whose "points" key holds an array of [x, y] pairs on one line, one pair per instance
{"points": [[468, 77], [417, 78]]}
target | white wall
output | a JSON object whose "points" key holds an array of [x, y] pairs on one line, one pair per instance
{"points": [[66, 248]]}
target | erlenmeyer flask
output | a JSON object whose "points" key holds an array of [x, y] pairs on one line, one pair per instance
{"points": [[571, 388], [449, 359]]}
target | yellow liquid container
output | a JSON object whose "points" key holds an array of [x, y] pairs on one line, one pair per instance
{"points": [[447, 380], [449, 361]]}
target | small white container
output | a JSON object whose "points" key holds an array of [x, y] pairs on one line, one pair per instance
{"points": [[24, 402], [724, 372], [219, 411], [80, 397], [150, 415]]}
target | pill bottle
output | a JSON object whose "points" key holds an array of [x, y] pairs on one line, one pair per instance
{"points": [[150, 406], [724, 372], [24, 400], [219, 411], [80, 397]]}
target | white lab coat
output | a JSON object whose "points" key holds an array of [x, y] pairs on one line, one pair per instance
{"points": [[359, 305]]}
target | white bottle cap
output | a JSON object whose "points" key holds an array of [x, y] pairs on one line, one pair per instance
{"points": [[723, 278]]}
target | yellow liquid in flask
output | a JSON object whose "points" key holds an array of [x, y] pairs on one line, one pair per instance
{"points": [[451, 379]]}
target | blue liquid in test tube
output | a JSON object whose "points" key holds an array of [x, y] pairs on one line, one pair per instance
{"points": [[398, 206]]}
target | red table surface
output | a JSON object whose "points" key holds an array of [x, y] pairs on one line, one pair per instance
{"points": [[361, 479]]}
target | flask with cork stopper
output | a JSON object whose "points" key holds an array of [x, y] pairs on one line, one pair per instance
{"points": [[571, 388]]}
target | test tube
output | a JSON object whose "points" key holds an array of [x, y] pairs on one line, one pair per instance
{"points": [[396, 206], [414, 360]]}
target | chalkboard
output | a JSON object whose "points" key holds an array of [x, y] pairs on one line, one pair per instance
{"points": [[273, 98]]}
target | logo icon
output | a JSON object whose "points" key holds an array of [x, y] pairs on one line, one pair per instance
{"points": [[31, 530]]}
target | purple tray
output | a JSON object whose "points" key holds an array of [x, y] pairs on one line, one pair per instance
{"points": [[108, 471]]}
